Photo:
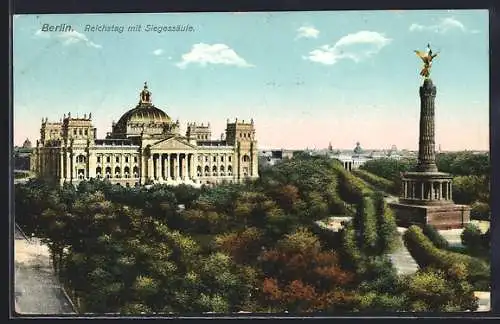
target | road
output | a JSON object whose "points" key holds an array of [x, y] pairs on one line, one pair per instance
{"points": [[36, 288]]}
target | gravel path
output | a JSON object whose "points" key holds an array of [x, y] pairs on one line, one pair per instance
{"points": [[37, 290], [402, 259]]}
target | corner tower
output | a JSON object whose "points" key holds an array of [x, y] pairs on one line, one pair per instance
{"points": [[241, 135]]}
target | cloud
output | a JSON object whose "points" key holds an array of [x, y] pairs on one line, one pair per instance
{"points": [[445, 25], [307, 32], [357, 47], [158, 52], [204, 54], [68, 37]]}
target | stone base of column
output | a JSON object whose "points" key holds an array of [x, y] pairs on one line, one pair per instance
{"points": [[442, 217]]}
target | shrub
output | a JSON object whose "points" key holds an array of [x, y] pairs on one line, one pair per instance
{"points": [[437, 239], [471, 236], [376, 181], [388, 235], [426, 254], [480, 211]]}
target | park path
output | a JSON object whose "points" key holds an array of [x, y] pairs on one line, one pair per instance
{"points": [[37, 290], [401, 257]]}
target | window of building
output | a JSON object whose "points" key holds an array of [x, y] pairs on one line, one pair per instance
{"points": [[108, 159], [222, 159], [135, 159], [74, 131], [229, 158], [117, 159], [215, 159], [206, 158], [86, 132], [126, 159], [80, 132], [98, 159]]}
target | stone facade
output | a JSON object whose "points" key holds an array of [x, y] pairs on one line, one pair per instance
{"points": [[426, 195], [145, 147]]}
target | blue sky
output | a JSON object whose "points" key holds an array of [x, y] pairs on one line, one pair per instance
{"points": [[306, 78]]}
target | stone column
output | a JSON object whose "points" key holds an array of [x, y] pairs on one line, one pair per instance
{"points": [[185, 167], [142, 171], [426, 150], [422, 192], [178, 166], [162, 166], [68, 165], [150, 167], [431, 191], [450, 191], [158, 167], [61, 169], [167, 166], [194, 164], [72, 172]]}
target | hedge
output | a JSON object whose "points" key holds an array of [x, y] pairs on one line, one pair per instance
{"points": [[387, 228], [426, 254], [352, 189], [437, 239], [376, 181]]}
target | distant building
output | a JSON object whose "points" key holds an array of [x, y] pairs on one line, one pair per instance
{"points": [[23, 157], [271, 157]]}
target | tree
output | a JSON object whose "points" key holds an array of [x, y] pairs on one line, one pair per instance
{"points": [[243, 246]]}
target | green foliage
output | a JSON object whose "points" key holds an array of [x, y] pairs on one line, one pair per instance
{"points": [[437, 239], [366, 221], [234, 247], [376, 181], [436, 291], [387, 229], [387, 168], [477, 272], [475, 241], [471, 188], [480, 211], [464, 163]]}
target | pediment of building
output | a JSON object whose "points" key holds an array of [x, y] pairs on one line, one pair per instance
{"points": [[172, 143]]}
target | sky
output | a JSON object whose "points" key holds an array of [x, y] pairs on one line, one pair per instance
{"points": [[306, 78]]}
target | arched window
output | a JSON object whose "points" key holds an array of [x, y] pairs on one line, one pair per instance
{"points": [[215, 159], [246, 158], [126, 171], [98, 172], [207, 170], [198, 171], [245, 171], [81, 174], [80, 159], [229, 170], [214, 170], [229, 158], [136, 172], [117, 172], [108, 172]]}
